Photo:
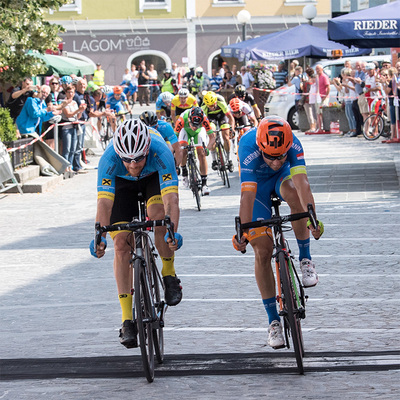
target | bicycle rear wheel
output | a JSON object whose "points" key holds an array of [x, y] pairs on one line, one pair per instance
{"points": [[144, 317], [223, 167], [373, 127], [291, 316]]}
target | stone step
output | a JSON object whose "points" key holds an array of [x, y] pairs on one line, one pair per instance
{"points": [[27, 173], [39, 184]]}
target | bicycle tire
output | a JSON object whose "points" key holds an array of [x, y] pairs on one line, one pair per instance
{"points": [[144, 317], [104, 133], [224, 170], [292, 318], [375, 125], [158, 331], [194, 180]]}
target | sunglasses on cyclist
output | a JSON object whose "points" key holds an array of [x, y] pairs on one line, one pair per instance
{"points": [[134, 160], [272, 158]]}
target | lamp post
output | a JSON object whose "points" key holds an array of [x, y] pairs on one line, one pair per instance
{"points": [[309, 12], [244, 18]]}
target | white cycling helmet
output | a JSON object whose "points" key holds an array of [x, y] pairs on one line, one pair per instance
{"points": [[183, 92], [199, 69], [132, 139], [167, 97], [76, 80]]}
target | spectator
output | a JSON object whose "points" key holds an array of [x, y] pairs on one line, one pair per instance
{"points": [[153, 82], [296, 80], [175, 74], [71, 112], [223, 69], [310, 90], [347, 93], [324, 88], [19, 95], [360, 105], [234, 70], [143, 80], [293, 66], [34, 112], [280, 75], [168, 84], [247, 77], [126, 77], [98, 75], [372, 86], [189, 75], [131, 90], [229, 80], [392, 89], [215, 81]]}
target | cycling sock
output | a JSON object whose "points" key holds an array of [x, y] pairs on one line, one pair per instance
{"points": [[270, 308], [184, 170], [203, 180], [125, 300], [304, 248], [168, 266]]}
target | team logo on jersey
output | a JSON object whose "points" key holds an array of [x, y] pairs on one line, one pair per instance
{"points": [[166, 177], [300, 156], [106, 182]]}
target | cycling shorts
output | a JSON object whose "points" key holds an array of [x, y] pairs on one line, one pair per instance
{"points": [[129, 90], [221, 119], [118, 107], [125, 205], [199, 138]]}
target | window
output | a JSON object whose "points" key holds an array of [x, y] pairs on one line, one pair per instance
{"points": [[154, 5], [228, 3], [73, 6], [299, 2]]}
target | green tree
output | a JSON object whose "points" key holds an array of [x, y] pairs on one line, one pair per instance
{"points": [[23, 29]]}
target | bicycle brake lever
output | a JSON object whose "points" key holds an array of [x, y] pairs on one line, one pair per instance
{"points": [[239, 231]]}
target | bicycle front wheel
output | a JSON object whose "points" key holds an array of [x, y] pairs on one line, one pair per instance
{"points": [[291, 315], [373, 127], [195, 181], [223, 167], [144, 317]]}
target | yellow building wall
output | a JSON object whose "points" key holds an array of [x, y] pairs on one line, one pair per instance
{"points": [[258, 8], [118, 9]]}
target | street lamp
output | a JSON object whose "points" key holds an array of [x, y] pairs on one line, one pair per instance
{"points": [[309, 12], [244, 18]]}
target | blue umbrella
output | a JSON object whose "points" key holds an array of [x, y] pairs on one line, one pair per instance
{"points": [[302, 40], [374, 27]]}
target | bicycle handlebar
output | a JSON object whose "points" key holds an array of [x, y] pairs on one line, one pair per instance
{"points": [[133, 227]]}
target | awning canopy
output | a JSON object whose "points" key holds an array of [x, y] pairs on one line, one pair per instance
{"points": [[302, 40], [61, 65], [374, 27]]}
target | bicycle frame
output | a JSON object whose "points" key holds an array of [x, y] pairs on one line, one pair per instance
{"points": [[195, 183]]}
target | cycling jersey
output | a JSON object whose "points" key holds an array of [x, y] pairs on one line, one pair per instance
{"points": [[222, 107], [166, 131], [183, 123], [245, 110], [257, 176], [190, 102], [159, 159], [116, 104]]}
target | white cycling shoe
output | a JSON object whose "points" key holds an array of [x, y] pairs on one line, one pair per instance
{"points": [[185, 181], [309, 275], [205, 190], [275, 335]]}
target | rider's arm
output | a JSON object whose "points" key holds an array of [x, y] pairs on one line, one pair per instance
{"points": [[256, 111], [104, 207], [171, 206], [231, 119]]}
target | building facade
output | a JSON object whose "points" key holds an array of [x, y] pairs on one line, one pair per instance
{"points": [[188, 32]]}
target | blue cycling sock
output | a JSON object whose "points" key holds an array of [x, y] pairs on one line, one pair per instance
{"points": [[270, 308], [304, 249]]}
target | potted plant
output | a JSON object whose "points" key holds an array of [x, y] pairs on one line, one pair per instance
{"points": [[8, 135]]}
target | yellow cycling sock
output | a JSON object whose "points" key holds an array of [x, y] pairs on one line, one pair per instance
{"points": [[168, 266], [126, 306]]}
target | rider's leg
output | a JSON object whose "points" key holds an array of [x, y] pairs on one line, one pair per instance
{"points": [[227, 142]]}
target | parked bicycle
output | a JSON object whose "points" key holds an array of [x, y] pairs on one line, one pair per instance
{"points": [[377, 125], [291, 297], [195, 183], [149, 306]]}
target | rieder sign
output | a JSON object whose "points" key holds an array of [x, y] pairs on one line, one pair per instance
{"points": [[375, 24], [110, 45]]}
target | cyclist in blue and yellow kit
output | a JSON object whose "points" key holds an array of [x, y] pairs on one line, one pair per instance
{"points": [[271, 159], [117, 100], [138, 161]]}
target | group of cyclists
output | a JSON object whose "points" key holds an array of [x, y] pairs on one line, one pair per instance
{"points": [[146, 156]]}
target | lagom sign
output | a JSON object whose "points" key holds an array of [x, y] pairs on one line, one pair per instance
{"points": [[109, 45], [377, 24]]}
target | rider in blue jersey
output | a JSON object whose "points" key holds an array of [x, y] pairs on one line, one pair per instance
{"points": [[139, 161], [271, 159], [117, 99], [163, 104], [165, 129]]}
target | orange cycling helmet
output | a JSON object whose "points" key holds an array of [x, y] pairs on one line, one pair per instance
{"points": [[117, 89], [274, 136], [235, 105]]}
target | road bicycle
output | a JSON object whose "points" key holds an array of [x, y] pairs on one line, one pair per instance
{"points": [[106, 132], [149, 306], [377, 125], [194, 176], [237, 134], [291, 297], [221, 156]]}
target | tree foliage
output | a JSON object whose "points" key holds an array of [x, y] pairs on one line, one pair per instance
{"points": [[22, 30]]}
